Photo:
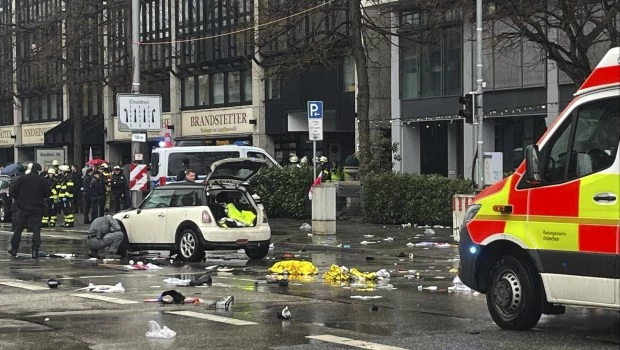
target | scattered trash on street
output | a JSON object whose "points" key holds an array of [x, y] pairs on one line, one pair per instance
{"points": [[369, 258], [285, 314], [173, 297], [294, 267], [52, 283], [117, 288], [454, 270], [432, 244], [157, 332], [388, 239], [409, 244], [431, 288], [225, 269], [458, 286], [46, 319], [141, 266], [407, 225], [368, 236], [429, 232], [411, 256], [212, 267], [366, 297], [204, 280], [271, 246], [225, 303], [344, 274], [367, 242], [305, 227], [177, 281]]}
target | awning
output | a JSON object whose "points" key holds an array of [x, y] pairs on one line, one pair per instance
{"points": [[62, 134]]}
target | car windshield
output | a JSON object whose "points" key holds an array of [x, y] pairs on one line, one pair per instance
{"points": [[199, 161]]}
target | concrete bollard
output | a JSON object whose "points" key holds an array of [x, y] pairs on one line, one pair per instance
{"points": [[324, 209]]}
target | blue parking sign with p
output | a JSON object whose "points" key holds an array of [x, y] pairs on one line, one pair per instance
{"points": [[315, 109]]}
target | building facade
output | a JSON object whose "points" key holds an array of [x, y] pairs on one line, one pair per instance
{"points": [[523, 93]]}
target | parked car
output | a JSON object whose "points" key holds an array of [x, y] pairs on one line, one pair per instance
{"points": [[5, 199], [190, 217]]}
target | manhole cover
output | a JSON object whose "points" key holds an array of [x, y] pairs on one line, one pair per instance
{"points": [[12, 325]]}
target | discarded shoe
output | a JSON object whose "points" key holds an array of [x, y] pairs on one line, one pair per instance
{"points": [[204, 280], [12, 252], [52, 283], [285, 314]]}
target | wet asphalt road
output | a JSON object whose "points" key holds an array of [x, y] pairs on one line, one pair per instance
{"points": [[406, 317]]}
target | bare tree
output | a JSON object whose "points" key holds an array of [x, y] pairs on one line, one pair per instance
{"points": [[568, 32], [63, 46]]}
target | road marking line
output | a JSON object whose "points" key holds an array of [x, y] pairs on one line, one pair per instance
{"points": [[352, 342], [210, 317], [237, 279], [105, 298], [101, 276], [217, 284], [22, 285]]}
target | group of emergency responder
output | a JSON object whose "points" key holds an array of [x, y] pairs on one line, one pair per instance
{"points": [[89, 192], [327, 170]]}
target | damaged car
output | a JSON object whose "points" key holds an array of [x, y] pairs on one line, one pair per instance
{"points": [[189, 217]]}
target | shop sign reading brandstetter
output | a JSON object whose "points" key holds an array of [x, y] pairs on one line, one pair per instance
{"points": [[214, 122]]}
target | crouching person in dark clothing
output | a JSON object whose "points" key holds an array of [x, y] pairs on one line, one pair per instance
{"points": [[105, 238]]}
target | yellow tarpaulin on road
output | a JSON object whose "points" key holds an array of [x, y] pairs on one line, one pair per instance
{"points": [[344, 274], [294, 268]]}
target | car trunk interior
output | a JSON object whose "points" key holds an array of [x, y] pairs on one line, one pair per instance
{"points": [[218, 200]]}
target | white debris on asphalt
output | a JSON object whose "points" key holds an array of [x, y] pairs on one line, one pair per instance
{"points": [[104, 288], [410, 245], [431, 288], [429, 232], [388, 239], [305, 227], [368, 236], [366, 297]]}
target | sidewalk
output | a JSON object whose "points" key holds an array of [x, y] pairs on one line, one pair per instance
{"points": [[286, 233]]}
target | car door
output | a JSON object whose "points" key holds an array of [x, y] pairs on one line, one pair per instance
{"points": [[574, 215], [185, 206], [148, 223]]}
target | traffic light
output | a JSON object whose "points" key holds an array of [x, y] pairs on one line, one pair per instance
{"points": [[467, 112]]}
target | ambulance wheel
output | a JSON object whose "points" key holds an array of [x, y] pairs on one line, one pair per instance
{"points": [[514, 294], [189, 246], [258, 252]]}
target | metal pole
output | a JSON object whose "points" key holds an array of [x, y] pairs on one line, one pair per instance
{"points": [[136, 147], [314, 157], [479, 114]]}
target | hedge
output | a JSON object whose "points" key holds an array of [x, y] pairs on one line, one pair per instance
{"points": [[409, 198], [284, 191]]}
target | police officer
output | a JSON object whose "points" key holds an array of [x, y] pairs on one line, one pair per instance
{"points": [[49, 204], [105, 235], [29, 192], [66, 195], [97, 192], [86, 194], [118, 186]]}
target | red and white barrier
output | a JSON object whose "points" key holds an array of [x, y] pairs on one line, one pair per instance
{"points": [[138, 177], [460, 203]]}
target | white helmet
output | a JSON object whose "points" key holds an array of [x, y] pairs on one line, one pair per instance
{"points": [[293, 159], [304, 160], [55, 162], [323, 159], [64, 168], [51, 170]]}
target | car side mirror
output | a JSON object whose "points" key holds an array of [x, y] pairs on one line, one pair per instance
{"points": [[532, 165]]}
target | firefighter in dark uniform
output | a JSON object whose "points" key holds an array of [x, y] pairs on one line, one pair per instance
{"points": [[66, 195], [49, 209]]}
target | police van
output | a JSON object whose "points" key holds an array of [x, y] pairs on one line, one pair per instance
{"points": [[166, 163], [548, 236]]}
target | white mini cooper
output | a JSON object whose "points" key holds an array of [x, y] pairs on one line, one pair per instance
{"points": [[190, 217]]}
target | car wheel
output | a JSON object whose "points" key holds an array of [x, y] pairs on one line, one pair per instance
{"points": [[189, 246], [3, 217], [258, 252], [514, 294]]}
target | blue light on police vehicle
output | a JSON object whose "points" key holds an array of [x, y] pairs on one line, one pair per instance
{"points": [[473, 249]]}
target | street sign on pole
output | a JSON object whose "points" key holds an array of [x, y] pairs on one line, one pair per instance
{"points": [[315, 120], [138, 112], [315, 127]]}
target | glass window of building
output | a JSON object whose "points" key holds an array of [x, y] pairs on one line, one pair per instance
{"points": [[188, 92], [218, 88], [349, 74], [234, 87], [247, 86], [203, 90]]}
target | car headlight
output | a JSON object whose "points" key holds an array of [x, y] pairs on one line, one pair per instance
{"points": [[471, 213]]}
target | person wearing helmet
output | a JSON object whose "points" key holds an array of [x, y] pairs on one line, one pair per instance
{"points": [[304, 161], [29, 191], [293, 160], [56, 165], [118, 185], [326, 171], [107, 177], [66, 195], [50, 203]]}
